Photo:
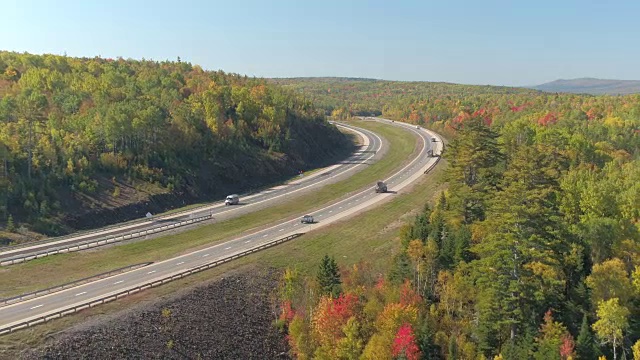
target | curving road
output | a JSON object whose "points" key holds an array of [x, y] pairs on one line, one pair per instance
{"points": [[31, 309], [366, 154]]}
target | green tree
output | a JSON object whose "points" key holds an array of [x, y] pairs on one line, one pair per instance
{"points": [[473, 156], [350, 346], [299, 339], [610, 280], [519, 267], [613, 321], [329, 276], [11, 227], [453, 348], [585, 345], [635, 277], [401, 268]]}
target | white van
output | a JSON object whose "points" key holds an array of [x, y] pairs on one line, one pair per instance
{"points": [[232, 200]]}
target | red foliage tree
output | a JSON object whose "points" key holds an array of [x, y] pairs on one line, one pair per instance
{"points": [[287, 313], [550, 118], [404, 343], [567, 347], [408, 296], [332, 314]]}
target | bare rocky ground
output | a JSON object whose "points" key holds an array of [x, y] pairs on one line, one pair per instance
{"points": [[228, 318]]}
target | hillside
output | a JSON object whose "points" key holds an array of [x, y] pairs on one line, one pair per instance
{"points": [[86, 141], [592, 86]]}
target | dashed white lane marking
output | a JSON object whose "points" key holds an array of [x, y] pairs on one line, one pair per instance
{"points": [[340, 207], [281, 230], [227, 248], [349, 204], [248, 241], [118, 282], [82, 293], [180, 263], [265, 235], [330, 211], [151, 272], [205, 255], [37, 306]]}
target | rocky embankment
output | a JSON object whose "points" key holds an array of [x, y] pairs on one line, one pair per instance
{"points": [[230, 318]]}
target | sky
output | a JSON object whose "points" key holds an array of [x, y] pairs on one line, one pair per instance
{"points": [[516, 43]]}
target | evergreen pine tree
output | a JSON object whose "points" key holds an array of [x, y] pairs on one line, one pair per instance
{"points": [[584, 342], [585, 345], [525, 228], [472, 173], [329, 276], [11, 227], [461, 245], [425, 341], [401, 268]]}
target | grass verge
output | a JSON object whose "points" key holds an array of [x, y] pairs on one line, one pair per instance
{"points": [[370, 236], [59, 269]]}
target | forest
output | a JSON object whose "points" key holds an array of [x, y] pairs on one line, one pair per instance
{"points": [[532, 252], [344, 97], [78, 134]]}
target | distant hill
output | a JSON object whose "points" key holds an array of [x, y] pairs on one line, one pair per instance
{"points": [[592, 86]]}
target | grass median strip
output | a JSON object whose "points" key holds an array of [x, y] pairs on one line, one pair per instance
{"points": [[44, 272]]}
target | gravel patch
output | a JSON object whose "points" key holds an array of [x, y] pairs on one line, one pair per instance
{"points": [[230, 318]]}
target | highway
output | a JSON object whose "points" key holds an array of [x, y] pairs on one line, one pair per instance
{"points": [[369, 152], [337, 211]]}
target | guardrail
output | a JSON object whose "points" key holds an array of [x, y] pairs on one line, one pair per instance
{"points": [[111, 297], [95, 243], [35, 294], [106, 228]]}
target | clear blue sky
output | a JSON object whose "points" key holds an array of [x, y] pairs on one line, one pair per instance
{"points": [[474, 42]]}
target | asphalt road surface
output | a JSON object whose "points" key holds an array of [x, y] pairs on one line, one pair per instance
{"points": [[366, 154], [32, 309]]}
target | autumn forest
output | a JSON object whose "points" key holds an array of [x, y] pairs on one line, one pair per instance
{"points": [[532, 252]]}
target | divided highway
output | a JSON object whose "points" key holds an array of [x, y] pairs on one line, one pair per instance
{"points": [[366, 154], [66, 299]]}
